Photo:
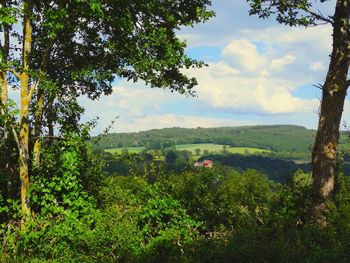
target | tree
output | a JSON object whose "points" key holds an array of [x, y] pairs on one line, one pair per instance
{"points": [[324, 154], [198, 151], [54, 51], [170, 157]]}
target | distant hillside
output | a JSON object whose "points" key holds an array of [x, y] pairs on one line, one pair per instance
{"points": [[273, 137]]}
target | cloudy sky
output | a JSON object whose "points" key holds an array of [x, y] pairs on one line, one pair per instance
{"points": [[259, 73]]}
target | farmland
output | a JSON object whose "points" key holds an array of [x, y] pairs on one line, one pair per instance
{"points": [[216, 148], [203, 147], [129, 149]]}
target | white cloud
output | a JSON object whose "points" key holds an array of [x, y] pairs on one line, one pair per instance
{"points": [[222, 69], [137, 100], [316, 66], [261, 65], [244, 55], [262, 84], [279, 63]]}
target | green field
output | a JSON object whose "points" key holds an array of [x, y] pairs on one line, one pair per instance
{"points": [[130, 150], [215, 148], [211, 147]]}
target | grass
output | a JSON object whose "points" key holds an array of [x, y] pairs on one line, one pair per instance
{"points": [[216, 148], [130, 150], [211, 147]]}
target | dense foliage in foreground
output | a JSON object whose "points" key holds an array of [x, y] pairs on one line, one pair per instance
{"points": [[154, 215]]}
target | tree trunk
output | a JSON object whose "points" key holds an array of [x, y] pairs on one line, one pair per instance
{"points": [[324, 155], [9, 165], [3, 88], [9, 162], [24, 157], [24, 144], [37, 128]]}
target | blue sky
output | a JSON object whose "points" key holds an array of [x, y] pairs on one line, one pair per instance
{"points": [[259, 72]]}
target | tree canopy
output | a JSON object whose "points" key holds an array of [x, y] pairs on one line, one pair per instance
{"points": [[55, 51]]}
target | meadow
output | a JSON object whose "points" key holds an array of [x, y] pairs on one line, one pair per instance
{"points": [[130, 149], [203, 147]]}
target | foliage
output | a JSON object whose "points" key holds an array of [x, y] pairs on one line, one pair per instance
{"points": [[276, 169], [68, 172], [202, 215], [63, 50]]}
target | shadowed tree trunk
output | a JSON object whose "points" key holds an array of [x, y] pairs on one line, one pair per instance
{"points": [[37, 128], [9, 165]]}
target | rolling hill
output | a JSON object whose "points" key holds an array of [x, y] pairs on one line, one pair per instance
{"points": [[276, 138]]}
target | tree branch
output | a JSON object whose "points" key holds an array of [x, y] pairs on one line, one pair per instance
{"points": [[320, 16], [48, 137], [15, 135], [14, 72], [46, 55], [33, 88], [319, 86], [2, 49]]}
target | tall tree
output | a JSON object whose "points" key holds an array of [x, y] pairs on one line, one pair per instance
{"points": [[54, 51], [324, 154]]}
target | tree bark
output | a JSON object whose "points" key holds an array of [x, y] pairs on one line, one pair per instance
{"points": [[37, 128], [24, 157], [324, 155], [3, 89]]}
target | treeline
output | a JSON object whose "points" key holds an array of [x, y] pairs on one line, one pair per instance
{"points": [[272, 137], [278, 170], [275, 169]]}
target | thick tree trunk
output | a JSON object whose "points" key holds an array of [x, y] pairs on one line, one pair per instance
{"points": [[324, 155]]}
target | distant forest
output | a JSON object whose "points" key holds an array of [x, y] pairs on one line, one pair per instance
{"points": [[276, 138]]}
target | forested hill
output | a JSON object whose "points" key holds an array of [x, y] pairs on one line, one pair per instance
{"points": [[273, 137]]}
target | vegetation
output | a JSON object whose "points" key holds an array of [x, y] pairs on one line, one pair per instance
{"points": [[151, 215], [196, 149], [62, 201], [273, 137], [109, 39]]}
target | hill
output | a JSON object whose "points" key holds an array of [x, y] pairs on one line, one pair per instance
{"points": [[278, 138]]}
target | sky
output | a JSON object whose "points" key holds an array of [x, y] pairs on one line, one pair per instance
{"points": [[259, 73]]}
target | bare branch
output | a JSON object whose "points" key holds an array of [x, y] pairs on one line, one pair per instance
{"points": [[319, 86]]}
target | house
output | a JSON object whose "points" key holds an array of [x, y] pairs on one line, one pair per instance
{"points": [[205, 163]]}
